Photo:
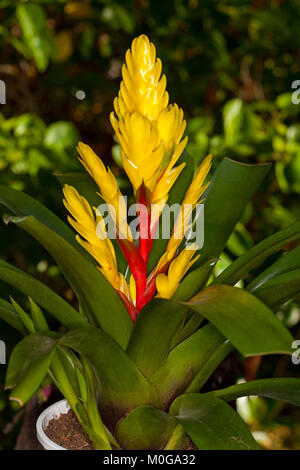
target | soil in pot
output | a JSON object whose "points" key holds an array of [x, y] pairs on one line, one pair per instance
{"points": [[66, 432]]}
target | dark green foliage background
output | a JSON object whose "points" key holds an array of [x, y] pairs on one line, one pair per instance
{"points": [[229, 64]]}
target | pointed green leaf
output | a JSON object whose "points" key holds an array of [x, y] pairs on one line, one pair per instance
{"points": [[280, 289], [194, 281], [9, 315], [153, 334], [217, 356], [280, 281], [28, 365], [44, 296], [20, 204], [24, 317], [81, 384], [211, 423], [185, 361], [286, 389], [38, 318], [289, 261], [242, 318], [257, 254], [192, 324], [63, 368]]}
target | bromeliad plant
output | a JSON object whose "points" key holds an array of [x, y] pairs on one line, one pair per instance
{"points": [[153, 322]]}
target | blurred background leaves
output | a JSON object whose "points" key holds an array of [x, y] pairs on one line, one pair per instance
{"points": [[230, 65]]}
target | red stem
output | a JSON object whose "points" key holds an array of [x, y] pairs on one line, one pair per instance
{"points": [[150, 290], [136, 265], [144, 223], [137, 258], [129, 306]]}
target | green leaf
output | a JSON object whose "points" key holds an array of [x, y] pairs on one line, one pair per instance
{"points": [[9, 315], [287, 262], [38, 318], [28, 365], [285, 389], [231, 188], [217, 356], [20, 204], [61, 135], [37, 35], [185, 361], [123, 386], [235, 121], [153, 334], [24, 317], [257, 254], [279, 289], [63, 372], [41, 294], [83, 388], [145, 428], [211, 423], [192, 324], [99, 300], [243, 319], [194, 281]]}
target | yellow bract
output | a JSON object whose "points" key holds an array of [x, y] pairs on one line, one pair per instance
{"points": [[108, 187], [149, 131], [91, 227], [171, 126], [142, 150], [94, 166], [167, 284], [181, 225], [190, 200]]}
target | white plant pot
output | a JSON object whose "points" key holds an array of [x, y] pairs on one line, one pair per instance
{"points": [[53, 411]]}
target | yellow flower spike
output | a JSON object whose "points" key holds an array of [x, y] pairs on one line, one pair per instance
{"points": [[147, 128], [150, 132], [167, 284], [108, 187], [142, 89], [92, 230]]}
